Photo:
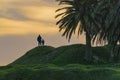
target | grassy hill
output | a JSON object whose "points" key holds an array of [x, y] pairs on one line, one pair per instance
{"points": [[72, 54], [62, 63], [66, 72]]}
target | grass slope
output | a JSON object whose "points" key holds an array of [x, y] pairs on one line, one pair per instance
{"points": [[54, 72], [62, 63], [34, 56], [72, 54]]}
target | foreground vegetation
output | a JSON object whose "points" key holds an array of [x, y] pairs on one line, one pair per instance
{"points": [[62, 63], [54, 72]]}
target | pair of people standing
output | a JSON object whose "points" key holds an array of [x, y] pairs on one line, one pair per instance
{"points": [[40, 40]]}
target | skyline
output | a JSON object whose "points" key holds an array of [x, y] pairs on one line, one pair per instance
{"points": [[21, 23]]}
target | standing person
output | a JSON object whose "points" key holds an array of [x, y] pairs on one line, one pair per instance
{"points": [[39, 40], [42, 42]]}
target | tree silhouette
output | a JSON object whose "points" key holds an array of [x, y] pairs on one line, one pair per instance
{"points": [[109, 20], [78, 16]]}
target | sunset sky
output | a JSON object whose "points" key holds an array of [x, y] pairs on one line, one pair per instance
{"points": [[20, 23]]}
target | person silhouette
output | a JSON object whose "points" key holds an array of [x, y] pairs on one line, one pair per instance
{"points": [[39, 40], [42, 42]]}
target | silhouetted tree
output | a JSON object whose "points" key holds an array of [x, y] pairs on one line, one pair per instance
{"points": [[78, 15]]}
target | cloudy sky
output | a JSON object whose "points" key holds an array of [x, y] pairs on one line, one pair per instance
{"points": [[20, 23]]}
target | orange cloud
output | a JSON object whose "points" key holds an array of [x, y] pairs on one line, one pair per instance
{"points": [[43, 13], [35, 17], [27, 27]]}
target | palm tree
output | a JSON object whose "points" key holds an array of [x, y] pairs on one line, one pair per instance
{"points": [[109, 24], [113, 28], [77, 15]]}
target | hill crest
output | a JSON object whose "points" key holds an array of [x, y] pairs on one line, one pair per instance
{"points": [[62, 55]]}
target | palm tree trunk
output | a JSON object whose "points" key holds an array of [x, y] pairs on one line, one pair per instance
{"points": [[111, 55], [111, 59], [88, 54], [114, 53]]}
